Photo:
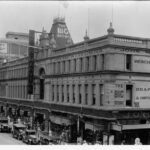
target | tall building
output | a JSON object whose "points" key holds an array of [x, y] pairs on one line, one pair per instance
{"points": [[97, 89], [14, 46]]}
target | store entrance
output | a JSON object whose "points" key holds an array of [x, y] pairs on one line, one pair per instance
{"points": [[39, 119], [130, 136]]}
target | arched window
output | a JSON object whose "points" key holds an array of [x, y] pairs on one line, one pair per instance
{"points": [[42, 82]]}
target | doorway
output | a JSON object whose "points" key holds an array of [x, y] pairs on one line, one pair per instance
{"points": [[129, 95]]}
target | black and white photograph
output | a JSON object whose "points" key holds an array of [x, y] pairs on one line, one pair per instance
{"points": [[75, 73]]}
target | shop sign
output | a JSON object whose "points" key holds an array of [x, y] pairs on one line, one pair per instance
{"points": [[137, 115], [141, 63], [31, 62], [109, 92], [142, 94]]}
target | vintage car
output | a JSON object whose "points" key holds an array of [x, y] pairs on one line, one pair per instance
{"points": [[4, 126], [18, 130], [30, 137], [46, 139]]}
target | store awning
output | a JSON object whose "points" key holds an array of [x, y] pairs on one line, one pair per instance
{"points": [[60, 120], [129, 127], [93, 127]]}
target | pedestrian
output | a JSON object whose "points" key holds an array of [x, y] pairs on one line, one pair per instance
{"points": [[137, 141], [123, 142]]}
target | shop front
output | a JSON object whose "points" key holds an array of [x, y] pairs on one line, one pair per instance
{"points": [[128, 133], [93, 132], [61, 127]]}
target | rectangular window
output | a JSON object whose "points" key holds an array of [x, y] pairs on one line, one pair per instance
{"points": [[129, 95], [101, 94], [94, 63], [73, 89], [75, 65], [58, 67], [128, 62], [62, 93], [52, 92], [86, 94], [80, 94], [63, 66], [57, 93], [69, 64], [87, 66], [67, 93], [54, 71], [81, 64], [93, 94]]}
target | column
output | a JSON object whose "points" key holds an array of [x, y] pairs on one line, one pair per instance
{"points": [[83, 93], [90, 94], [25, 91], [7, 90], [76, 93], [46, 91], [70, 94], [97, 95], [55, 93], [50, 93]]}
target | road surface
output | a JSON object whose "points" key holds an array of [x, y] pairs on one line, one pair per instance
{"points": [[7, 139]]}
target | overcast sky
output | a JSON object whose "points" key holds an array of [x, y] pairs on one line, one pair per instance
{"points": [[129, 17]]}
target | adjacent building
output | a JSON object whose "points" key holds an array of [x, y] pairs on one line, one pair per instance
{"points": [[14, 46]]}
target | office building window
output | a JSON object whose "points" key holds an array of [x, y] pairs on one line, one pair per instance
{"points": [[93, 94], [101, 94], [63, 93], [86, 94], [67, 93], [128, 62], [73, 89], [80, 94]]}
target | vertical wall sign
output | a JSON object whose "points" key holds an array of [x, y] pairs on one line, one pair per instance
{"points": [[31, 62]]}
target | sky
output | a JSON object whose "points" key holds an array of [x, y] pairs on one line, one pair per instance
{"points": [[129, 17]]}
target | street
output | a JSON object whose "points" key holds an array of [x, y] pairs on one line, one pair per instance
{"points": [[7, 139]]}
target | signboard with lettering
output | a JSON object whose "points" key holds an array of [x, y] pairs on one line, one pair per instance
{"points": [[114, 94], [119, 94], [109, 94], [142, 94], [31, 62], [141, 63]]}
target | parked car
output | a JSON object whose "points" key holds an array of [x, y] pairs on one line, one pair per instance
{"points": [[18, 130], [30, 137], [46, 139], [4, 126]]}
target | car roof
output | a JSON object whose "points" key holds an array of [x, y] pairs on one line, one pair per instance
{"points": [[19, 125], [30, 130]]}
